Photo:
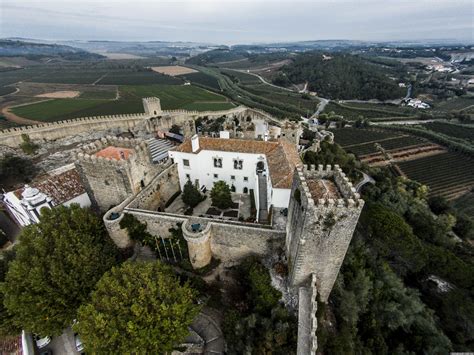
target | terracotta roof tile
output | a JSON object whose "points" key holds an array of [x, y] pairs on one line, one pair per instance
{"points": [[61, 187], [282, 156], [116, 153]]}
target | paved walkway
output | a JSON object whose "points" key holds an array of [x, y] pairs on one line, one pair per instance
{"points": [[207, 326]]}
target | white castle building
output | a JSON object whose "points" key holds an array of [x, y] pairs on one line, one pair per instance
{"points": [[263, 166]]}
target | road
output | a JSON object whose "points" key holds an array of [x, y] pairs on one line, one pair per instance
{"points": [[366, 180]]}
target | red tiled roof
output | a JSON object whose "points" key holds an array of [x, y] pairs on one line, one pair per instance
{"points": [[61, 188], [116, 153], [282, 156]]}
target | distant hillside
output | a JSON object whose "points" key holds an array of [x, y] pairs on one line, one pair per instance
{"points": [[341, 76], [9, 48]]}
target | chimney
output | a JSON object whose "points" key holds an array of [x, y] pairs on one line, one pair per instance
{"points": [[195, 143]]}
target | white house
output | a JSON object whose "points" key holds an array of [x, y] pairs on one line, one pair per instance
{"points": [[62, 186], [264, 166]]}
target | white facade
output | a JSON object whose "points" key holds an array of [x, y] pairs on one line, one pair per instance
{"points": [[200, 167], [239, 170]]}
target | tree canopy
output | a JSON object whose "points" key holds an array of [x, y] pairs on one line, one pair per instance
{"points": [[191, 195], [58, 262], [137, 308], [220, 195]]}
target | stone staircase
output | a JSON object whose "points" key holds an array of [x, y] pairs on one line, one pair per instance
{"points": [[159, 148], [262, 198]]}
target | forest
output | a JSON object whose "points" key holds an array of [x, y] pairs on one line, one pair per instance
{"points": [[341, 76], [406, 282]]}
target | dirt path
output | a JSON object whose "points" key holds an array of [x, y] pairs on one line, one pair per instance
{"points": [[10, 116]]}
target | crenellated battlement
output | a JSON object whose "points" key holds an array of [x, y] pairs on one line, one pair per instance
{"points": [[139, 149], [345, 196]]}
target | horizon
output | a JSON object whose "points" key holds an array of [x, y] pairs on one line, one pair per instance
{"points": [[238, 22]]}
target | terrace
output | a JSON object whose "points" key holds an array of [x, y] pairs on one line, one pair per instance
{"points": [[240, 211]]}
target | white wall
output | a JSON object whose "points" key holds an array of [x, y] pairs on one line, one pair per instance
{"points": [[281, 198], [83, 200], [201, 166]]}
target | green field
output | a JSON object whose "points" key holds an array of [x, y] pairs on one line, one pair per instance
{"points": [[172, 97], [5, 90], [452, 130], [352, 112], [98, 95], [203, 79], [351, 136], [243, 78]]}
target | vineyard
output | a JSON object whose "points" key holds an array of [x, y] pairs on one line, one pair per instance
{"points": [[202, 79], [447, 174], [352, 136], [452, 130]]}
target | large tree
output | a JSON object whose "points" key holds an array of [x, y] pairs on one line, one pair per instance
{"points": [[139, 308], [58, 262], [221, 196], [7, 324], [191, 195]]}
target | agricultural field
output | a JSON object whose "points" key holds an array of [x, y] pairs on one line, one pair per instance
{"points": [[5, 90], [173, 70], [62, 109], [352, 113], [456, 103], [137, 78], [353, 136], [465, 204], [452, 130], [243, 78], [309, 104], [404, 142], [172, 97], [203, 79], [447, 174]]}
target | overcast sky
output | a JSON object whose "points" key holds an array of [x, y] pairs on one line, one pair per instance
{"points": [[230, 22]]}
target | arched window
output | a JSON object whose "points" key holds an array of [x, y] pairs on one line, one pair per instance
{"points": [[246, 190], [232, 188]]}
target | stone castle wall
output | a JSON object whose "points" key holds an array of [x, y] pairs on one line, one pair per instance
{"points": [[109, 181], [61, 129], [319, 232], [307, 320]]}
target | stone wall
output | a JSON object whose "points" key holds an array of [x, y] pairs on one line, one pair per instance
{"points": [[307, 319], [159, 190], [61, 129], [230, 241], [109, 181], [319, 232]]}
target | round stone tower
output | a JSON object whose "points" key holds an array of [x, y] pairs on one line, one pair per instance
{"points": [[198, 236]]}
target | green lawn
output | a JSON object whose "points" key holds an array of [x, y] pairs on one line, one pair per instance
{"points": [[172, 97]]}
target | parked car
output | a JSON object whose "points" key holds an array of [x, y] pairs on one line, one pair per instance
{"points": [[78, 342], [42, 342], [46, 352]]}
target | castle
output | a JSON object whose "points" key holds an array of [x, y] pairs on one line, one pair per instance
{"points": [[309, 212]]}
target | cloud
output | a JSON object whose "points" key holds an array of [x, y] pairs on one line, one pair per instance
{"points": [[229, 21]]}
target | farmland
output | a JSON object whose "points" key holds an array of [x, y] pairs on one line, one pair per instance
{"points": [[351, 136], [202, 79], [171, 96], [447, 174], [351, 112], [452, 130]]}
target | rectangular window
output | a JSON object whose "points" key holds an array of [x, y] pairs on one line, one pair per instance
{"points": [[232, 177], [216, 176], [238, 164], [246, 178], [218, 162], [185, 162]]}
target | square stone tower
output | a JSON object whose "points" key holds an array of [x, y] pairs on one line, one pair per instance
{"points": [[113, 169], [152, 106], [322, 215], [291, 131]]}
